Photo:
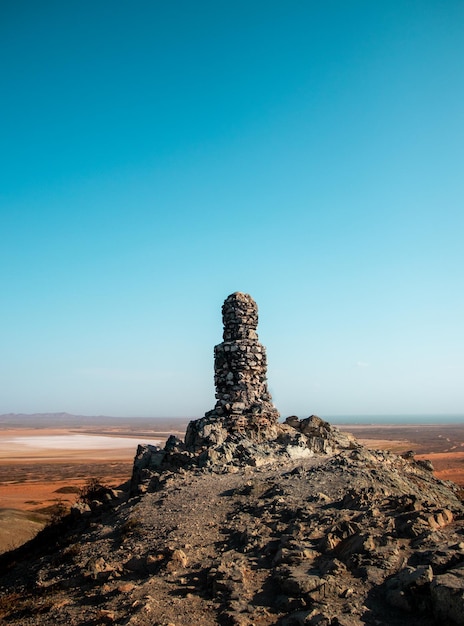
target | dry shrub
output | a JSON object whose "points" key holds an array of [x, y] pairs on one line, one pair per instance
{"points": [[57, 512]]}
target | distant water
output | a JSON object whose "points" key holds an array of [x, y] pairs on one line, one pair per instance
{"points": [[396, 419]]}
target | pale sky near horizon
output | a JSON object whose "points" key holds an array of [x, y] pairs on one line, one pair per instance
{"points": [[158, 156]]}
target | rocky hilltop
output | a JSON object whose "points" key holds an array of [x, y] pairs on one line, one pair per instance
{"points": [[243, 427], [250, 521]]}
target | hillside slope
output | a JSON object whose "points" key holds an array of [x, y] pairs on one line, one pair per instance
{"points": [[351, 538]]}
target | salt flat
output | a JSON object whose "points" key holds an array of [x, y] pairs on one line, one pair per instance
{"points": [[53, 444], [36, 464], [73, 442]]}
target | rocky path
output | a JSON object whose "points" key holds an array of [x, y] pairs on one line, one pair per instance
{"points": [[356, 538]]}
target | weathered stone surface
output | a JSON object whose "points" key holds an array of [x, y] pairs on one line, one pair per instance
{"points": [[312, 540], [448, 596], [243, 427], [244, 405], [251, 521], [409, 589], [244, 414]]}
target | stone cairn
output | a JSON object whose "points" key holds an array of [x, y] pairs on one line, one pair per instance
{"points": [[240, 372], [243, 428], [244, 421]]}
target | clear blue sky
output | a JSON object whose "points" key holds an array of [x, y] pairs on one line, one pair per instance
{"points": [[158, 156]]}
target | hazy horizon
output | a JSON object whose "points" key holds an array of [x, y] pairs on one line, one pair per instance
{"points": [[160, 156], [380, 419]]}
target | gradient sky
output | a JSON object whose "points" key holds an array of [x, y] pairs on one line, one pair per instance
{"points": [[158, 156]]}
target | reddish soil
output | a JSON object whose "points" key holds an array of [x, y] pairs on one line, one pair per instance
{"points": [[35, 479], [443, 444]]}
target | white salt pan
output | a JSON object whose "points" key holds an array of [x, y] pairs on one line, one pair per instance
{"points": [[79, 442]]}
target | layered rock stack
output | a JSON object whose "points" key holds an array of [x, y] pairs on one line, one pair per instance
{"points": [[243, 427], [240, 367], [244, 405]]}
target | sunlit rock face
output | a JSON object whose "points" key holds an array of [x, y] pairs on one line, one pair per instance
{"points": [[243, 428], [240, 364], [243, 403]]}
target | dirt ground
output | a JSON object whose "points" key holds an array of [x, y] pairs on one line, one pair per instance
{"points": [[258, 546], [34, 479], [443, 444]]}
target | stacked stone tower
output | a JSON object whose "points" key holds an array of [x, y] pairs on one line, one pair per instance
{"points": [[243, 403], [243, 428], [240, 367]]}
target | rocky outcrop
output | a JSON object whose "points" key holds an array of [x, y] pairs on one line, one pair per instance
{"points": [[357, 538], [243, 428], [223, 451], [251, 521]]}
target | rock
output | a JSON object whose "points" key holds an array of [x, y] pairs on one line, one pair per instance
{"points": [[418, 522], [177, 559], [106, 616], [97, 568], [80, 508], [447, 592], [409, 588], [148, 459], [244, 405], [243, 428], [125, 587], [300, 582], [425, 464], [174, 444], [251, 521]]}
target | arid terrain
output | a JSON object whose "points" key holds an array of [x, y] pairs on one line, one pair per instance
{"points": [[355, 538], [35, 479], [48, 471], [442, 444]]}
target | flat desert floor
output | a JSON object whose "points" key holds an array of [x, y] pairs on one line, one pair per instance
{"points": [[43, 467]]}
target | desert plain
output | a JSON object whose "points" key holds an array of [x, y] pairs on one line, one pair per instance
{"points": [[442, 444], [44, 467]]}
